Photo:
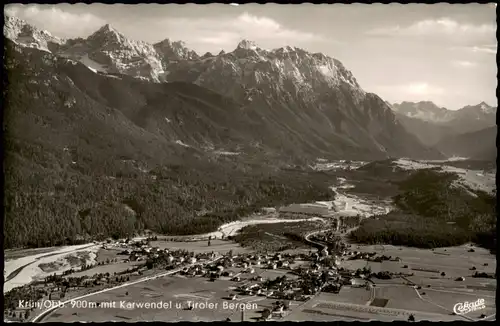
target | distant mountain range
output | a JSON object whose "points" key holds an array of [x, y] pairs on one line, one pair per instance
{"points": [[425, 111], [293, 102], [471, 117], [435, 126]]}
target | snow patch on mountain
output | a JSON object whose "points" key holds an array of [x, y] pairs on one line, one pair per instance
{"points": [[180, 142], [220, 152], [486, 108], [92, 65], [247, 45]]}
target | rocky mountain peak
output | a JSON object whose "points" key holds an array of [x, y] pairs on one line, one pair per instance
{"points": [[207, 55], [176, 50], [423, 110], [487, 108], [285, 49], [13, 26], [481, 108], [107, 29], [107, 34], [247, 45], [19, 31]]}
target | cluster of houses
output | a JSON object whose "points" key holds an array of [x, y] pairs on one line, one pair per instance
{"points": [[316, 272], [169, 259]]}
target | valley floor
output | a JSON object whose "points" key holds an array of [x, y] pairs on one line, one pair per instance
{"points": [[427, 294]]}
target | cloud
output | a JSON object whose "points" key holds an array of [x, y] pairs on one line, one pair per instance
{"points": [[53, 19], [422, 89], [410, 91], [463, 63], [227, 32], [438, 27], [415, 92], [199, 33], [486, 49]]}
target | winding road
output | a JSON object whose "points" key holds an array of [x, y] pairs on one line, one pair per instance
{"points": [[319, 245]]}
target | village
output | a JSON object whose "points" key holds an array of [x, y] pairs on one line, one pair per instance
{"points": [[300, 276]]}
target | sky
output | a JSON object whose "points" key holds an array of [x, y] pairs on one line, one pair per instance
{"points": [[445, 53]]}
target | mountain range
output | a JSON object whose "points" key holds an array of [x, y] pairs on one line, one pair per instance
{"points": [[439, 127], [293, 102], [105, 135], [467, 119]]}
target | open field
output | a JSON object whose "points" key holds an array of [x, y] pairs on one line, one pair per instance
{"points": [[109, 254], [449, 298], [322, 308], [443, 292], [470, 284], [347, 294], [111, 268], [172, 289], [271, 274], [375, 267], [405, 297], [454, 261]]}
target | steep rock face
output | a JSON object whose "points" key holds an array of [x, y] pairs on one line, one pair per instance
{"points": [[109, 51], [174, 51], [26, 35], [311, 97], [302, 102]]}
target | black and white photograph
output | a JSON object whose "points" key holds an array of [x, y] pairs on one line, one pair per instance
{"points": [[249, 162]]}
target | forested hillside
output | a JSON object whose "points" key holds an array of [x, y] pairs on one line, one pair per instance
{"points": [[434, 210], [86, 156]]}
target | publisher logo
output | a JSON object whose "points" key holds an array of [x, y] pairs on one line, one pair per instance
{"points": [[463, 308]]}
